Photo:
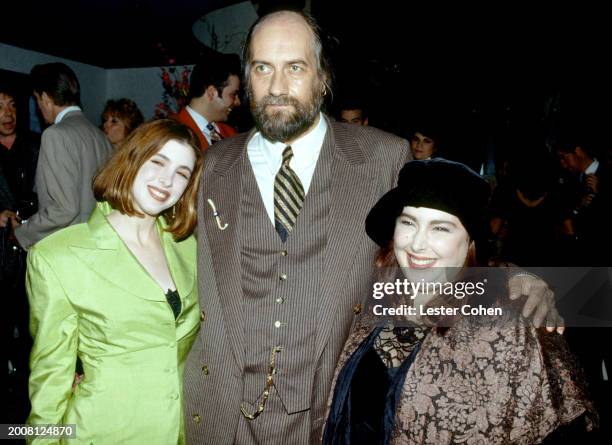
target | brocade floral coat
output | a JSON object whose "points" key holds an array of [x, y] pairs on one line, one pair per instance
{"points": [[485, 381]]}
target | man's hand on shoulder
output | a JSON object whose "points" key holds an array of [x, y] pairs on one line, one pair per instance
{"points": [[540, 302]]}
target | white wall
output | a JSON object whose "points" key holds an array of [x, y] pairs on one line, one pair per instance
{"points": [[92, 78], [142, 85]]}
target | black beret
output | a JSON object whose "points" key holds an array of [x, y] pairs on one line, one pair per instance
{"points": [[437, 184]]}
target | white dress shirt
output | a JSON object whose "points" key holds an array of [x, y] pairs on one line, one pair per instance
{"points": [[201, 122], [266, 158], [64, 112], [592, 168]]}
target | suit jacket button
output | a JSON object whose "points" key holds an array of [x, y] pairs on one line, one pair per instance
{"points": [[205, 370], [197, 418], [202, 316], [357, 309]]}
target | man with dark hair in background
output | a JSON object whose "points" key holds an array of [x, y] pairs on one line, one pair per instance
{"points": [[214, 91], [72, 149], [352, 111], [18, 156], [589, 195]]}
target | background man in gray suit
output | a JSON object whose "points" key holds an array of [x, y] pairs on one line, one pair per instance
{"points": [[284, 261], [71, 151]]}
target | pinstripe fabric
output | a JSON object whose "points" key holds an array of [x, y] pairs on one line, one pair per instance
{"points": [[239, 279], [282, 299], [288, 196]]}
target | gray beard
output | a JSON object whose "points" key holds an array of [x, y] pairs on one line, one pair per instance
{"points": [[285, 126]]}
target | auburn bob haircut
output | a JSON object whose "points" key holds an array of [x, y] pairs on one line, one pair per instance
{"points": [[114, 181]]}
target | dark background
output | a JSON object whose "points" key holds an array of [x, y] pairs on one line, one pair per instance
{"points": [[502, 71]]}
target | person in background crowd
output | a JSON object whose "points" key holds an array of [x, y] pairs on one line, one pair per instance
{"points": [[18, 157], [529, 218], [119, 118], [71, 151], [352, 111], [589, 196], [119, 293], [214, 91], [425, 142]]}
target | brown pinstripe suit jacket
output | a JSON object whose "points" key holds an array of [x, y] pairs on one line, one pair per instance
{"points": [[365, 165]]}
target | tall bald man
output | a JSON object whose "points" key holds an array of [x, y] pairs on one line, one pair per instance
{"points": [[284, 260]]}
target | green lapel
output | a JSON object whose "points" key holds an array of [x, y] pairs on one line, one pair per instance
{"points": [[107, 256], [181, 257]]}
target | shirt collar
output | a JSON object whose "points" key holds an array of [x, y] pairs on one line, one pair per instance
{"points": [[200, 120], [65, 111], [305, 149], [592, 169]]}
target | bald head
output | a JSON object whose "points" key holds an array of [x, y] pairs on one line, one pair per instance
{"points": [[295, 27], [286, 75], [285, 16]]}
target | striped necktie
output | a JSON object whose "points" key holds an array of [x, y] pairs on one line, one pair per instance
{"points": [[288, 196], [215, 135]]}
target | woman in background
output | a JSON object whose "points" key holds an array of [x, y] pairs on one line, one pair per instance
{"points": [[119, 293], [426, 139], [119, 118]]}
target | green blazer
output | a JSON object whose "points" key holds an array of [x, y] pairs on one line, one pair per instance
{"points": [[89, 297]]}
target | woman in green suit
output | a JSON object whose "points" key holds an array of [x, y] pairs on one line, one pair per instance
{"points": [[119, 292]]}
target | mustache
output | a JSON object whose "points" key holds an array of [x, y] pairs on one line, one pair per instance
{"points": [[278, 100]]}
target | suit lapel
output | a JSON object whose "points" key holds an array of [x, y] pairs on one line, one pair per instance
{"points": [[352, 191], [107, 256], [185, 118], [181, 261], [220, 193]]}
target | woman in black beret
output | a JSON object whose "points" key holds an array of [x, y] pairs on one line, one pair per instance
{"points": [[440, 373]]}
